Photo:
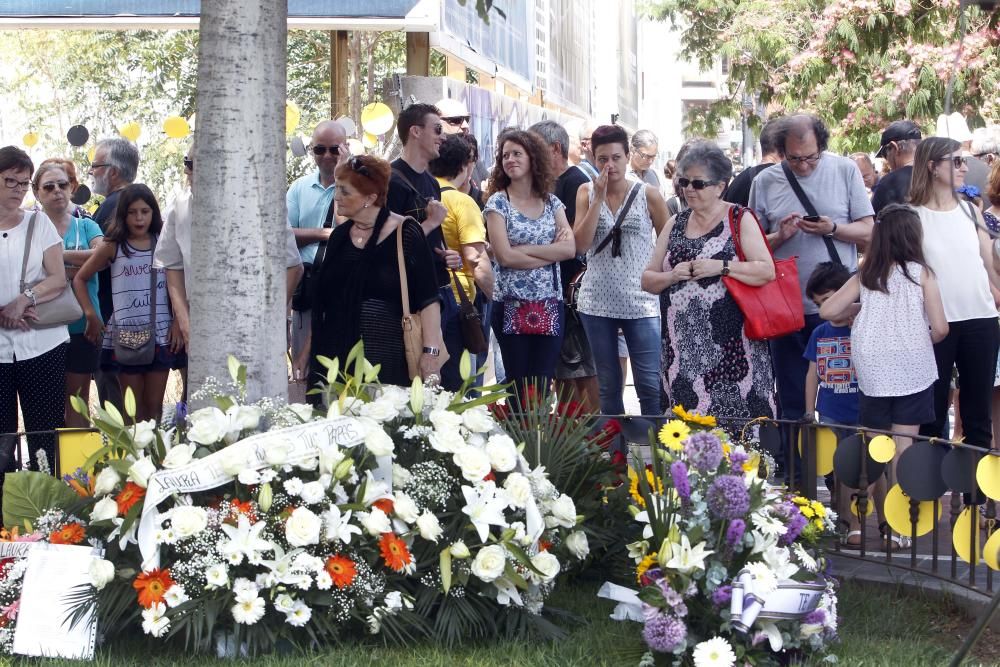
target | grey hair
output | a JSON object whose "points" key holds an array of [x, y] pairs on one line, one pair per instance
{"points": [[863, 156], [644, 138], [552, 132], [708, 155], [122, 155], [988, 143]]}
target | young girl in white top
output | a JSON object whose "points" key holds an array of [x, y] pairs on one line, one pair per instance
{"points": [[901, 318]]}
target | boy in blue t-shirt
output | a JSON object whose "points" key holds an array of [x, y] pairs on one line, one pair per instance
{"points": [[832, 385]]}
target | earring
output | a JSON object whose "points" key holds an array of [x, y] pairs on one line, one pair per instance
{"points": [[366, 204]]}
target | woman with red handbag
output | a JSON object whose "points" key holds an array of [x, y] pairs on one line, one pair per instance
{"points": [[709, 364], [529, 236]]}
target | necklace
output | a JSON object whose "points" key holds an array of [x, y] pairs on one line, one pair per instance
{"points": [[365, 230]]}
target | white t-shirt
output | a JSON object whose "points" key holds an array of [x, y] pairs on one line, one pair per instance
{"points": [[16, 344]]}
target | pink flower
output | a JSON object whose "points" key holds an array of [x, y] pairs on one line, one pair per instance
{"points": [[10, 611]]}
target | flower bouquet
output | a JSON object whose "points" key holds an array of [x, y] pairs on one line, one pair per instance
{"points": [[729, 566]]}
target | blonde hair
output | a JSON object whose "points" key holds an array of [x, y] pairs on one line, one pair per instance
{"points": [[56, 163]]}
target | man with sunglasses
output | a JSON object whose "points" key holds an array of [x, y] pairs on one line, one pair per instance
{"points": [[898, 146], [455, 118]]}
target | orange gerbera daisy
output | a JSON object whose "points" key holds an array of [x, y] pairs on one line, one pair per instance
{"points": [[152, 585], [129, 496], [70, 533], [239, 507], [394, 552], [384, 504], [341, 569]]}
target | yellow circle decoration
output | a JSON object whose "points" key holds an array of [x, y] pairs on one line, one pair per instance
{"points": [[988, 476], [356, 147], [292, 117], [30, 139], [176, 127], [376, 118], [882, 448], [91, 152], [130, 130], [897, 513], [966, 526], [870, 507], [369, 140], [826, 445], [991, 552]]}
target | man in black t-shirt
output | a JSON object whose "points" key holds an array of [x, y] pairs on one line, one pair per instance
{"points": [[898, 147], [738, 191]]}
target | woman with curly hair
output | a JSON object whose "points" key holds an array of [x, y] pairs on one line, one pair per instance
{"points": [[530, 235]]}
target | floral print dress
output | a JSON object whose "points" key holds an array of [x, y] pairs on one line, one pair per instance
{"points": [[708, 363]]}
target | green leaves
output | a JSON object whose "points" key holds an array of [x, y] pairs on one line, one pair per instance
{"points": [[28, 495]]}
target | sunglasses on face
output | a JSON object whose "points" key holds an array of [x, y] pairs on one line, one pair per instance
{"points": [[189, 163], [957, 162], [14, 184], [456, 120], [320, 151], [697, 183], [438, 128], [62, 185]]}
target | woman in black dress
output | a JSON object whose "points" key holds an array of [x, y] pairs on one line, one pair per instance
{"points": [[358, 292]]}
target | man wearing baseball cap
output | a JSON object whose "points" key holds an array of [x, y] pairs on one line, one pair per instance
{"points": [[898, 146]]}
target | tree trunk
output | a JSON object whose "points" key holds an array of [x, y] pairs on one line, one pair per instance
{"points": [[238, 237]]}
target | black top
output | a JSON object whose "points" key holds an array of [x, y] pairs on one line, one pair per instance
{"points": [[565, 190], [103, 216], [894, 188], [407, 202], [738, 191]]}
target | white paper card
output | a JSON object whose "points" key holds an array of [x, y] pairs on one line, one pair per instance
{"points": [[43, 620]]}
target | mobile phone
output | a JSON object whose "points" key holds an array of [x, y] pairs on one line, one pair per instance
{"points": [[811, 218]]}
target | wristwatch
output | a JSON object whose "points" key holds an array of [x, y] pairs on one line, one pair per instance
{"points": [[725, 267], [433, 351], [30, 293], [832, 232]]}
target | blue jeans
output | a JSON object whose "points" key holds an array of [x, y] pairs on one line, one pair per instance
{"points": [[643, 338]]}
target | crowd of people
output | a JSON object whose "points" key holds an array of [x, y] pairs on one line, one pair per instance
{"points": [[571, 260]]}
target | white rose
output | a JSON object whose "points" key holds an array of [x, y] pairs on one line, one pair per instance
{"points": [[330, 457], [188, 521], [208, 426], [378, 442], [311, 463], [104, 509], [445, 420], [375, 522], [443, 399], [140, 471], [429, 526], [101, 572], [233, 461], [577, 544], [563, 511], [302, 528], [473, 462], [381, 410], [401, 477], [276, 454], [106, 481], [312, 493], [398, 397], [459, 550], [446, 442], [179, 455], [489, 563], [303, 411], [247, 417], [478, 419], [518, 489], [144, 433], [502, 452], [404, 507], [547, 564]]}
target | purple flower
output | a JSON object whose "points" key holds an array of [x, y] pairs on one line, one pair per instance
{"points": [[728, 498], [704, 450], [815, 617], [664, 633], [735, 532], [180, 412], [722, 595], [796, 522], [737, 459], [679, 473]]}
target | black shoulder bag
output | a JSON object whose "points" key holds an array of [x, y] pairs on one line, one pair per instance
{"points": [[470, 324], [302, 298], [810, 209]]}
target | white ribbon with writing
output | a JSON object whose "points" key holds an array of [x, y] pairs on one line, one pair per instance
{"points": [[790, 600], [301, 443], [16, 549]]}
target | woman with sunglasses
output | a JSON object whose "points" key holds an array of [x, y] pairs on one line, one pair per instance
{"points": [[53, 185], [616, 221], [709, 364], [357, 291], [959, 252]]}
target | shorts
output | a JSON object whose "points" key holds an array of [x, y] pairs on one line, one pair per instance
{"points": [[82, 357], [576, 359], [882, 412], [163, 360]]}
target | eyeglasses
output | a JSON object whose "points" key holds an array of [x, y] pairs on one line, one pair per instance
{"points": [[99, 165], [697, 183], [456, 120], [15, 184], [645, 156], [801, 159], [189, 163], [320, 151], [358, 166], [62, 185], [958, 161]]}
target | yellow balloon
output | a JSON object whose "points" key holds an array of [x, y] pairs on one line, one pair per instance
{"points": [[991, 552], [176, 127], [826, 445], [988, 476], [356, 147], [369, 140], [30, 139], [966, 529], [376, 118], [897, 513], [869, 507], [882, 448], [292, 117], [91, 153], [130, 130]]}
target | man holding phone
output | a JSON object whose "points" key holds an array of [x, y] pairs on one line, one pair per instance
{"points": [[813, 206]]}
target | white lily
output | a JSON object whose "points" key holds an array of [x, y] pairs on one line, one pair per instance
{"points": [[245, 540], [685, 558], [338, 526], [484, 508]]}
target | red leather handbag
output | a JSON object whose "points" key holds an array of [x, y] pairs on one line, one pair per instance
{"points": [[773, 309]]}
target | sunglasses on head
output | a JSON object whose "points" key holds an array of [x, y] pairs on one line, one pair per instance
{"points": [[456, 120], [957, 162], [62, 185], [358, 166], [697, 183], [321, 150]]}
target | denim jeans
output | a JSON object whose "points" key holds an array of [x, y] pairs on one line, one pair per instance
{"points": [[790, 370], [643, 338]]}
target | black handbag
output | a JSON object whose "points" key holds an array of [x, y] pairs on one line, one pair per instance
{"points": [[302, 298], [471, 325]]}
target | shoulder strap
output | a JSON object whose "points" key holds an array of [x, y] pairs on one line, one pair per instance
{"points": [[409, 183], [447, 188], [810, 209], [735, 219], [463, 297], [404, 288], [327, 224], [152, 289], [27, 247], [621, 216]]}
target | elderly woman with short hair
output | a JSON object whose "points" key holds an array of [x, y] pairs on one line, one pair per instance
{"points": [[708, 363]]}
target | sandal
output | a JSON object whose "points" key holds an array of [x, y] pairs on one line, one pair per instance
{"points": [[854, 546], [896, 542]]}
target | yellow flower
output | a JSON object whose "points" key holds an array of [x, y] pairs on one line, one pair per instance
{"points": [[649, 561], [819, 509], [674, 433], [807, 512], [655, 485], [694, 417]]}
